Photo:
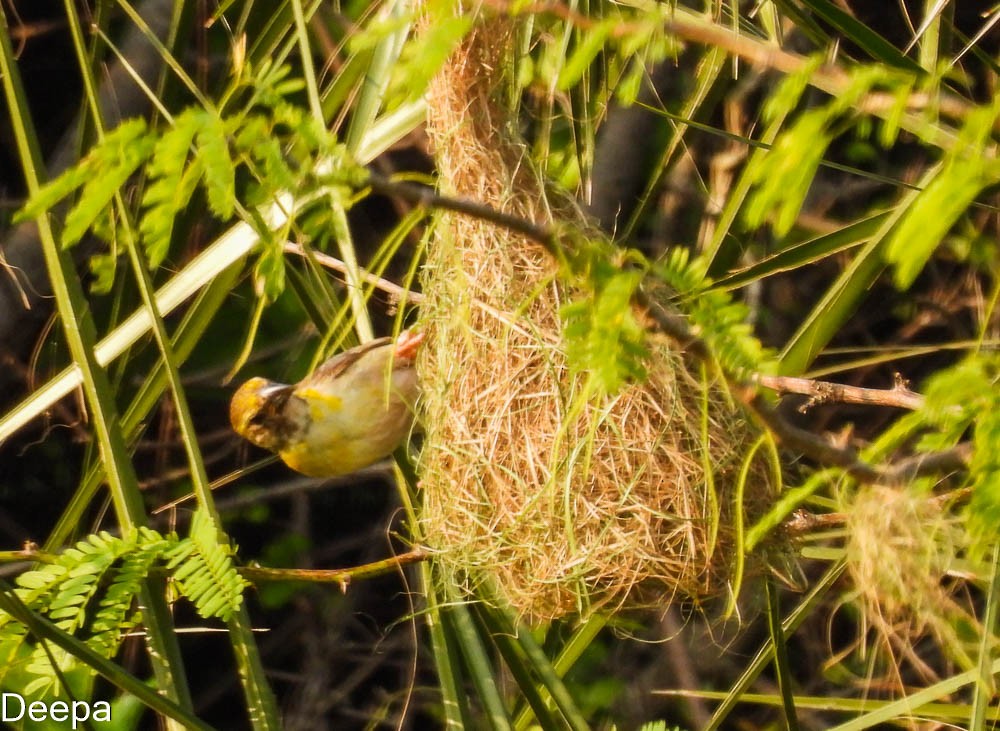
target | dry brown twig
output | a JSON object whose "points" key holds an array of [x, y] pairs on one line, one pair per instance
{"points": [[820, 392], [803, 522]]}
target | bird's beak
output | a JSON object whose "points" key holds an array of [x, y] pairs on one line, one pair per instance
{"points": [[273, 389]]}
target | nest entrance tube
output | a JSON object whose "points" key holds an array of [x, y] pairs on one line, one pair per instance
{"points": [[560, 503]]}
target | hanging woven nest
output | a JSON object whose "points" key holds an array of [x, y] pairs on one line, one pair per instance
{"points": [[558, 503]]}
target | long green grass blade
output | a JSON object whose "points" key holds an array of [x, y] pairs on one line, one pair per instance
{"points": [[941, 712], [520, 668], [706, 76], [985, 688], [807, 252], [445, 655], [477, 664], [782, 667], [766, 653], [914, 703], [868, 40], [551, 680]]}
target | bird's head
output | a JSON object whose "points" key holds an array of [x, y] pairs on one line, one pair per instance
{"points": [[267, 413]]}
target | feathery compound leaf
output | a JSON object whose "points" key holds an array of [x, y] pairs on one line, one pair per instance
{"points": [[84, 570], [959, 399], [203, 568], [305, 134], [722, 323], [169, 188], [786, 97], [420, 61], [264, 155], [102, 269], [55, 191], [603, 336], [65, 592], [783, 176], [217, 166], [269, 271], [110, 163], [116, 615], [984, 509], [101, 173]]}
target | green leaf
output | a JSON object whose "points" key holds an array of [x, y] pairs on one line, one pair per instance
{"points": [[603, 337], [204, 570], [102, 269], [53, 192], [932, 215], [169, 189], [783, 176], [110, 164], [269, 272], [966, 172], [594, 40], [217, 166], [423, 57]]}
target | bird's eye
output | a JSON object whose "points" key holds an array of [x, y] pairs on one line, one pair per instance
{"points": [[257, 418]]}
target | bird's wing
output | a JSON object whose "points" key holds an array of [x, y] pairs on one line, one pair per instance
{"points": [[341, 362]]}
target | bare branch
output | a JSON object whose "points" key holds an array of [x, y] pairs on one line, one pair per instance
{"points": [[343, 577], [422, 195], [402, 294], [820, 392]]}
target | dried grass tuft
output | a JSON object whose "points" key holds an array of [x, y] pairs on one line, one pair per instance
{"points": [[560, 504], [902, 551]]}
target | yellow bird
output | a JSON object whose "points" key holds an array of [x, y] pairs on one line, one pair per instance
{"points": [[354, 410]]}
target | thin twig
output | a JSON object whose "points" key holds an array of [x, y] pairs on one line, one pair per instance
{"points": [[933, 463], [805, 442], [342, 577], [422, 195], [820, 392], [407, 296], [803, 522]]}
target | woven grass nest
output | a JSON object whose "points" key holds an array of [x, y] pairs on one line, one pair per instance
{"points": [[559, 506]]}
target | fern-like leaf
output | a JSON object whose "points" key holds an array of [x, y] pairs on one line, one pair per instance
{"points": [[100, 175], [965, 174], [112, 162], [203, 568], [721, 322], [219, 172], [604, 337], [171, 183], [116, 615]]}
